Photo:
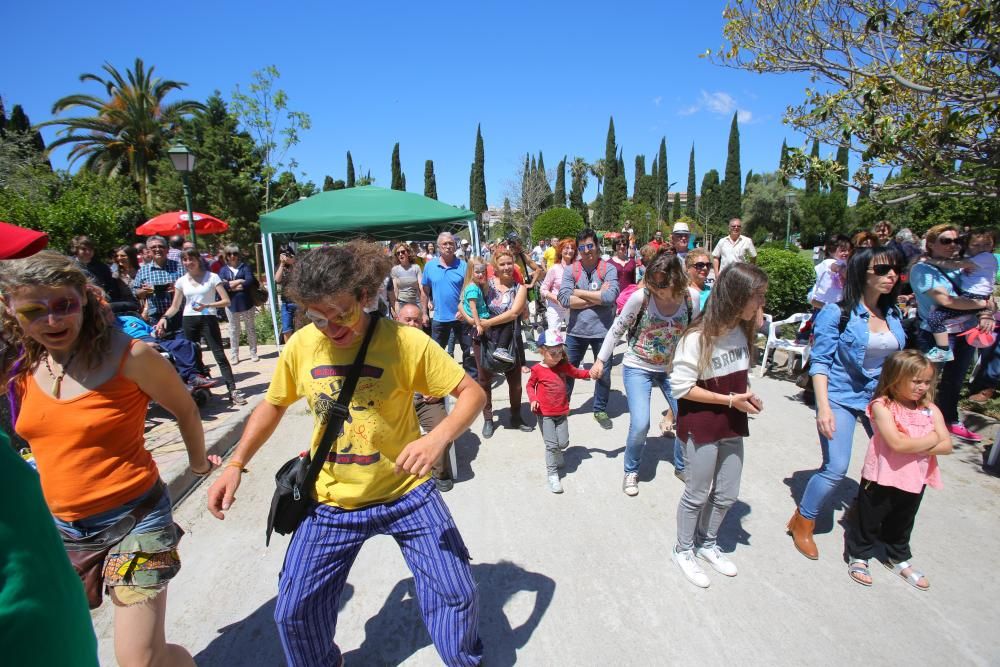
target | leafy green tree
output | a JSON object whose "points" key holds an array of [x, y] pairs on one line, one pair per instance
{"points": [[397, 172], [366, 179], [19, 122], [275, 128], [3, 119], [327, 183], [339, 185], [692, 200], [130, 129], [813, 175], [558, 222], [790, 277], [477, 193], [645, 191], [640, 171], [615, 191], [506, 219], [732, 205], [350, 170], [559, 196], [430, 182], [765, 209]]}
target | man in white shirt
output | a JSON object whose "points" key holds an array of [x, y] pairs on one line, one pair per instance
{"points": [[733, 248]]}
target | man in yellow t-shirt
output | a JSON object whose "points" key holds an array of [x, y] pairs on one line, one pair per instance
{"points": [[550, 253], [375, 479]]}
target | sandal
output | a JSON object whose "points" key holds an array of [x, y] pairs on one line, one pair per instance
{"points": [[859, 567], [913, 578]]}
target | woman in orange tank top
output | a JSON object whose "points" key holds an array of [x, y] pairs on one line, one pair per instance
{"points": [[83, 389]]}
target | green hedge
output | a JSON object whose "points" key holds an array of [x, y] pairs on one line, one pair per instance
{"points": [[557, 222], [790, 277]]}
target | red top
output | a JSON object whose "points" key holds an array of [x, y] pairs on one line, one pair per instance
{"points": [[548, 387]]}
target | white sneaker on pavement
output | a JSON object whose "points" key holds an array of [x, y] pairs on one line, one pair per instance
{"points": [[690, 568], [555, 486], [630, 485], [718, 560]]}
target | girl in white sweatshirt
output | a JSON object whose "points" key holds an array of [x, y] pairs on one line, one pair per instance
{"points": [[710, 382]]}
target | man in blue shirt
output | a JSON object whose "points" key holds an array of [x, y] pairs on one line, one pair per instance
{"points": [[443, 276], [155, 282]]}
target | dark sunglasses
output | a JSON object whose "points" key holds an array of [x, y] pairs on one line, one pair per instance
{"points": [[232, 254], [702, 266], [948, 241], [884, 269], [586, 246], [402, 253]]}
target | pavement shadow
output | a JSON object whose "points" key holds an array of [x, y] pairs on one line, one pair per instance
{"points": [[253, 640], [731, 532], [574, 457], [466, 450], [841, 499], [617, 403], [398, 631], [657, 449]]}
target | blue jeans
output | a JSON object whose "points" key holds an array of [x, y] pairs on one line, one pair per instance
{"points": [[952, 373], [576, 347], [639, 385], [836, 459], [288, 316]]}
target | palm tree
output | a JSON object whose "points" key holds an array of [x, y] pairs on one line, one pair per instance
{"points": [[579, 170], [130, 129], [598, 168]]}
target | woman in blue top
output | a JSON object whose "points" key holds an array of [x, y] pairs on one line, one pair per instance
{"points": [[852, 340], [239, 282]]}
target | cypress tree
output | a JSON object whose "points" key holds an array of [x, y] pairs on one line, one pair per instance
{"points": [[838, 189], [812, 181], [576, 202], [746, 183], [615, 188], [350, 170], [710, 207], [677, 206], [543, 183], [18, 121], [732, 204], [655, 171], [783, 162], [402, 178], [397, 172], [327, 184], [526, 178], [477, 193], [559, 197], [640, 171], [430, 183], [692, 200], [663, 182]]}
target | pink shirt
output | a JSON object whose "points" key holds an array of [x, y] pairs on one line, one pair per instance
{"points": [[908, 472]]}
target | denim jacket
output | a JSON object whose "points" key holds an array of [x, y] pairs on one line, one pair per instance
{"points": [[840, 356]]}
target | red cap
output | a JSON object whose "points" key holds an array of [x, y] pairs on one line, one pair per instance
{"points": [[17, 242]]}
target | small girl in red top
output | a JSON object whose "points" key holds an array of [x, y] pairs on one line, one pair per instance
{"points": [[547, 396], [901, 461]]}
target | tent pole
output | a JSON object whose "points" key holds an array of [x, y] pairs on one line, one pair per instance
{"points": [[474, 233], [272, 287]]}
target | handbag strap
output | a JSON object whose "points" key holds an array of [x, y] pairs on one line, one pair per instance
{"points": [[341, 408]]}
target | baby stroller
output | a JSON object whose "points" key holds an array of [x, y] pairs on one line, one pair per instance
{"points": [[184, 355]]}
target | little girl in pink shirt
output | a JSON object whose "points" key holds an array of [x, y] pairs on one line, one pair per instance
{"points": [[901, 461]]}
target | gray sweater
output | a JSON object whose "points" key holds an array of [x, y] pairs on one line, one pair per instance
{"points": [[592, 321]]}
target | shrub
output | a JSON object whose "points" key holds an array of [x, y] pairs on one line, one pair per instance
{"points": [[558, 222], [790, 277], [264, 326]]}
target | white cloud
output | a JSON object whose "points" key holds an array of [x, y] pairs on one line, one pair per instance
{"points": [[657, 100], [718, 103]]}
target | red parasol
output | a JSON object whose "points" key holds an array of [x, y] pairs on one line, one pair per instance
{"points": [[176, 222], [17, 242]]}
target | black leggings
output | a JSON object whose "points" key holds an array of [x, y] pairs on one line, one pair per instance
{"points": [[196, 326]]}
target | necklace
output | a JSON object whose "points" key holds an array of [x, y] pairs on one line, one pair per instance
{"points": [[57, 379]]}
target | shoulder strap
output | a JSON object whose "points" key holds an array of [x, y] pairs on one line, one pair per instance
{"points": [[845, 317], [634, 329], [339, 410], [602, 269], [577, 271], [954, 283]]}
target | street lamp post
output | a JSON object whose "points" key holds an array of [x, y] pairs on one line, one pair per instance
{"points": [[183, 161], [649, 217], [789, 202]]}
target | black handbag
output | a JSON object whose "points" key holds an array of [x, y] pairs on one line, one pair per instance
{"points": [[488, 346], [295, 479]]}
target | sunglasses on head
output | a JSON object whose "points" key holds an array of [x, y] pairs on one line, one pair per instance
{"points": [[884, 269], [702, 266], [56, 308]]}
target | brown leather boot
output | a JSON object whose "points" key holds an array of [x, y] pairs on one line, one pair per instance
{"points": [[801, 530]]}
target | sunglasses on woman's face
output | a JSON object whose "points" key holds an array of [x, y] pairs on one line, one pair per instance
{"points": [[57, 308], [702, 266], [947, 241], [884, 269], [402, 254]]}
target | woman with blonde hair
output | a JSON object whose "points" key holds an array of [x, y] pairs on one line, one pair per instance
{"points": [[82, 389], [406, 276], [698, 263]]}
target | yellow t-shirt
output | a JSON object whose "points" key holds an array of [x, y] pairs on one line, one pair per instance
{"points": [[401, 360], [549, 256]]}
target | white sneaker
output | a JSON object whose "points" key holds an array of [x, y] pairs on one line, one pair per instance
{"points": [[689, 566], [630, 485], [554, 485], [717, 560]]}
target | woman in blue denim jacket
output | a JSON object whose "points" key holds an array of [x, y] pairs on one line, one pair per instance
{"points": [[852, 340]]}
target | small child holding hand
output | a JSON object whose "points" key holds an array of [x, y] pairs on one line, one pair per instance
{"points": [[547, 396]]}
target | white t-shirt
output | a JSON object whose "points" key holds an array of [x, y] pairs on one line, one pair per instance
{"points": [[829, 287], [980, 280], [198, 292], [728, 252]]}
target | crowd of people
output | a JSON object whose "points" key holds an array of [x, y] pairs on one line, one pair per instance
{"points": [[689, 319]]}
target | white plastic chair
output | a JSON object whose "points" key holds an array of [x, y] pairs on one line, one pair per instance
{"points": [[790, 347]]}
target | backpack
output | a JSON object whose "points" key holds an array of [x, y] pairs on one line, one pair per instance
{"points": [[602, 271], [633, 331]]}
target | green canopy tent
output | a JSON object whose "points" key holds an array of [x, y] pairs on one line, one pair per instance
{"points": [[364, 212]]}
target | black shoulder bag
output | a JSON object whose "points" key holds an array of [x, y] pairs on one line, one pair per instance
{"points": [[295, 479]]}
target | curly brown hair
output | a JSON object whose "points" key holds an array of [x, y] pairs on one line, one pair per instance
{"points": [[358, 267], [52, 269]]}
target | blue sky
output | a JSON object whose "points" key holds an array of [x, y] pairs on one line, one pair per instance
{"points": [[537, 76]]}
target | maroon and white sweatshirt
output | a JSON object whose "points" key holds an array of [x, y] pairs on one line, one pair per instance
{"points": [[728, 371]]}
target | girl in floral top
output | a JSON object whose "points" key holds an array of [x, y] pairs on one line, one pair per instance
{"points": [[901, 461], [653, 319]]}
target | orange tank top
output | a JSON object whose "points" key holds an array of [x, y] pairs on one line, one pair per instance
{"points": [[90, 449]]}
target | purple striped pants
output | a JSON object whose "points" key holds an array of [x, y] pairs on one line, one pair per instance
{"points": [[323, 549]]}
